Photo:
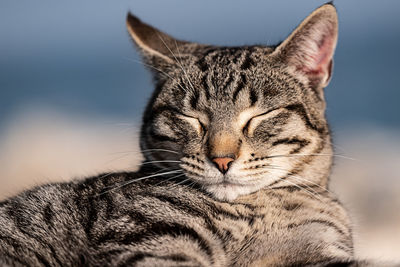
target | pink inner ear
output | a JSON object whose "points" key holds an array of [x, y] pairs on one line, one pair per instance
{"points": [[319, 63]]}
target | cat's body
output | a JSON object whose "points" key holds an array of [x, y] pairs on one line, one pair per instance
{"points": [[238, 159], [160, 223]]}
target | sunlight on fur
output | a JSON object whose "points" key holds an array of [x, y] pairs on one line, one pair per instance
{"points": [[46, 146]]}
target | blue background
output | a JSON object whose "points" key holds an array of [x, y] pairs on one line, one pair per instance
{"points": [[76, 56]]}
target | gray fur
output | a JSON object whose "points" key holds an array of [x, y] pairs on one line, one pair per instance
{"points": [[261, 106]]}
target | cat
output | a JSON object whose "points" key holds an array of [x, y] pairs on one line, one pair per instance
{"points": [[238, 156]]}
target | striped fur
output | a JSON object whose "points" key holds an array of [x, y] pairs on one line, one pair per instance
{"points": [[261, 106], [159, 223]]}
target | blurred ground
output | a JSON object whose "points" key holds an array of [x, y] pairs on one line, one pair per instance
{"points": [[45, 146]]}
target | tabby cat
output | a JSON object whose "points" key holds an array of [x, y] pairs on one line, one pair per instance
{"points": [[238, 156]]}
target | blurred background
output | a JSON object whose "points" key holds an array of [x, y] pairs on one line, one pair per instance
{"points": [[72, 92]]}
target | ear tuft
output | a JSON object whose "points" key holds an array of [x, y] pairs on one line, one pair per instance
{"points": [[151, 41], [310, 47]]}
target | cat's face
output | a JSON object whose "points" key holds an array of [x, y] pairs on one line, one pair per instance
{"points": [[236, 120]]}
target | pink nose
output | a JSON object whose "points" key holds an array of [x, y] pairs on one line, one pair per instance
{"points": [[222, 163]]}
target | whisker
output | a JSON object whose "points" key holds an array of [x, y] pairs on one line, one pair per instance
{"points": [[191, 185], [145, 151], [138, 179], [301, 178], [157, 69], [126, 152], [163, 169], [313, 192], [307, 191], [298, 177], [180, 64], [161, 161], [327, 155], [169, 179], [181, 182], [161, 150]]}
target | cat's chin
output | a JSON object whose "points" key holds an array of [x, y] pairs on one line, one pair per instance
{"points": [[229, 191]]}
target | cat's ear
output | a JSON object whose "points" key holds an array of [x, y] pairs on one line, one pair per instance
{"points": [[309, 48], [156, 46]]}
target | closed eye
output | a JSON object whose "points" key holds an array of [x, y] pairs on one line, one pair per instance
{"points": [[252, 123], [203, 127], [195, 122]]}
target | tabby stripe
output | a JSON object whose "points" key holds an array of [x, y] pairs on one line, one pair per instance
{"points": [[227, 82], [16, 244], [253, 96], [157, 229], [156, 111], [246, 205], [314, 89], [42, 259], [209, 50], [48, 215], [110, 235], [192, 165], [15, 259], [54, 255], [191, 210], [142, 256], [199, 212], [219, 211], [180, 87], [331, 263], [109, 205], [319, 221], [138, 217], [347, 249], [194, 99], [247, 62], [301, 111], [87, 207], [205, 86], [20, 223], [202, 64], [305, 160], [292, 141], [239, 87], [108, 254], [163, 138], [278, 181]]}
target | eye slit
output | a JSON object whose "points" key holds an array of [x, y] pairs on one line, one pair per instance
{"points": [[202, 126], [248, 123], [246, 126]]}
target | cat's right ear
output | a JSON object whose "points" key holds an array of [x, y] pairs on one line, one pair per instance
{"points": [[309, 49], [158, 49]]}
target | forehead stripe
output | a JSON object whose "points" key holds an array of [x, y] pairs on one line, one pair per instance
{"points": [[239, 87]]}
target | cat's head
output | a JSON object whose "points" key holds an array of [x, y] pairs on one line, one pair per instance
{"points": [[237, 119]]}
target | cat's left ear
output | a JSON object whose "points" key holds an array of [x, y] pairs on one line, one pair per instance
{"points": [[310, 47], [158, 48]]}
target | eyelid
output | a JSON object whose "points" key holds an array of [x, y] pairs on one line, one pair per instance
{"points": [[262, 114], [203, 127], [246, 127], [185, 115]]}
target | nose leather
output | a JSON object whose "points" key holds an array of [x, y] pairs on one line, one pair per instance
{"points": [[222, 163]]}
